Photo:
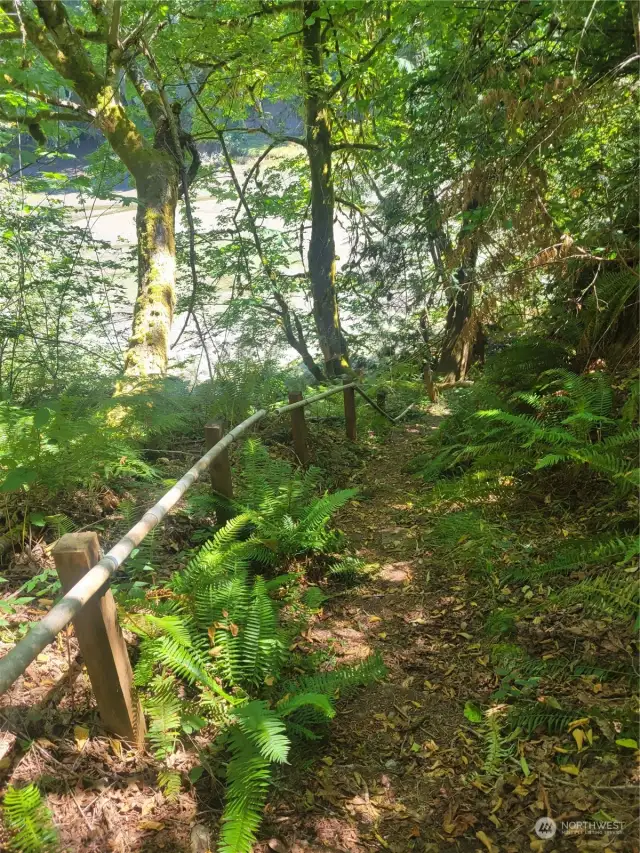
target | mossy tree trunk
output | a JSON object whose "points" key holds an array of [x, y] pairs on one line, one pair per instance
{"points": [[147, 353], [322, 247], [155, 166]]}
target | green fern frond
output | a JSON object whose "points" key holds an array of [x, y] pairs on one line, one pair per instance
{"points": [[609, 592], [265, 730], [188, 663], [61, 523], [229, 533], [613, 550], [341, 680], [551, 459], [248, 779], [164, 708], [314, 598], [322, 510], [29, 821], [347, 571], [150, 625], [288, 704], [262, 647], [536, 716], [495, 751], [170, 782]]}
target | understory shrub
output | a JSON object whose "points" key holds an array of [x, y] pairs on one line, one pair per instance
{"points": [[215, 647], [531, 437]]}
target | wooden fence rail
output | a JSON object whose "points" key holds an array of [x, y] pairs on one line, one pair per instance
{"points": [[85, 578]]}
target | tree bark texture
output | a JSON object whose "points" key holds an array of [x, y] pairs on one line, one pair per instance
{"points": [[460, 331], [148, 349], [154, 168], [322, 248]]}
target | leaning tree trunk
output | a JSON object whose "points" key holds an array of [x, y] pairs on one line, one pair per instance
{"points": [[147, 353], [322, 248]]}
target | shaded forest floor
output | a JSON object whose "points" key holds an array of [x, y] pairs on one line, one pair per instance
{"points": [[402, 766], [402, 769]]}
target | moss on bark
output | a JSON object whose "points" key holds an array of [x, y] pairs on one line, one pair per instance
{"points": [[147, 355]]}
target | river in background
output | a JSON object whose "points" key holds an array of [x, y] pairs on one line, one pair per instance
{"points": [[113, 222]]}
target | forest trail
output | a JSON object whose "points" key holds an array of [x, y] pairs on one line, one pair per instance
{"points": [[390, 775], [403, 766]]}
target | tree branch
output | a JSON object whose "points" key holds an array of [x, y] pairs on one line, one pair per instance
{"points": [[260, 129], [91, 35], [297, 342], [149, 97], [45, 99], [365, 57], [357, 146], [137, 31], [45, 115], [363, 213]]}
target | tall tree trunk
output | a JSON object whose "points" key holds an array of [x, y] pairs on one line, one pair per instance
{"points": [[459, 335], [147, 353], [459, 331], [322, 248]]}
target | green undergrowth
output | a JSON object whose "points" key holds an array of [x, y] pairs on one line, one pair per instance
{"points": [[218, 669], [532, 479], [55, 449]]}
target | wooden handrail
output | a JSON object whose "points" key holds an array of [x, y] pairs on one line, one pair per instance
{"points": [[17, 659], [279, 410]]}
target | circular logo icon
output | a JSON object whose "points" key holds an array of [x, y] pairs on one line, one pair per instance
{"points": [[545, 827]]}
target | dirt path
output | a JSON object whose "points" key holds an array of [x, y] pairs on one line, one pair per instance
{"points": [[390, 775], [402, 767]]}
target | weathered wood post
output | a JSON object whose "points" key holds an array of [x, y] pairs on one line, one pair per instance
{"points": [[299, 430], [350, 412], [220, 469], [101, 642]]}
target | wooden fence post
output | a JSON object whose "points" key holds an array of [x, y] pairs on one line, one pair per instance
{"points": [[299, 430], [101, 642], [220, 469], [350, 412]]}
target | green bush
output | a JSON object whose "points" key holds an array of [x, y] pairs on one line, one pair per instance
{"points": [[215, 651]]}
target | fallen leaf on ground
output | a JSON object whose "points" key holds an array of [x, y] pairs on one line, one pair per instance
{"points": [[81, 736], [488, 843]]}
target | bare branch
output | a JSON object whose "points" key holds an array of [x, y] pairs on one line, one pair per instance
{"points": [[45, 115], [45, 99], [114, 26], [91, 35], [353, 206]]}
